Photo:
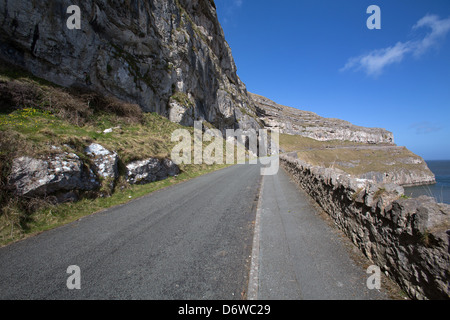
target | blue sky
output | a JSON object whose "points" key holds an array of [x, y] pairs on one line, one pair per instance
{"points": [[319, 55]]}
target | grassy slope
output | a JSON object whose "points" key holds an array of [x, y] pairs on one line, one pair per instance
{"points": [[36, 115], [291, 143], [353, 158]]}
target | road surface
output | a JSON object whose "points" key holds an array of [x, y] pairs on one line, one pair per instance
{"points": [[189, 241], [301, 257], [194, 241]]}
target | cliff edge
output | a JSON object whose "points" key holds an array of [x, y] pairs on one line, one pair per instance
{"points": [[308, 124]]}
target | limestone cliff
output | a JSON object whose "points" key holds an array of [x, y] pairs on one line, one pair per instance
{"points": [[169, 56], [367, 153], [308, 124]]}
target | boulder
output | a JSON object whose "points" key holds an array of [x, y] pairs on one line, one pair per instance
{"points": [[105, 162], [150, 170], [60, 174]]}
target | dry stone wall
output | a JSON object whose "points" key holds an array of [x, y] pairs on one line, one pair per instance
{"points": [[407, 238]]}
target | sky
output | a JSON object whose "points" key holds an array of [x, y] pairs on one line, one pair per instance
{"points": [[320, 56]]}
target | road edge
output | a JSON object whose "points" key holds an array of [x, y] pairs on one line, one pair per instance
{"points": [[253, 283]]}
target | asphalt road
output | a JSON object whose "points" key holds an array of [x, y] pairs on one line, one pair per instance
{"points": [[212, 238], [300, 256], [189, 241]]}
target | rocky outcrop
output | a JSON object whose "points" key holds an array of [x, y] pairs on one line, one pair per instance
{"points": [[150, 170], [60, 175], [380, 163], [388, 163], [403, 177], [308, 124], [105, 162], [409, 239], [64, 175], [168, 56]]}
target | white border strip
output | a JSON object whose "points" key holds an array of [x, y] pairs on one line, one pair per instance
{"points": [[253, 283]]}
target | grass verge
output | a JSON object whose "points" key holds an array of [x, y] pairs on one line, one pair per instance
{"points": [[51, 216]]}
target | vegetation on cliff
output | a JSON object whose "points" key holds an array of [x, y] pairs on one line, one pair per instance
{"points": [[38, 118], [381, 162]]}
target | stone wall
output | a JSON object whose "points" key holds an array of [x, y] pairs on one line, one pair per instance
{"points": [[407, 238]]}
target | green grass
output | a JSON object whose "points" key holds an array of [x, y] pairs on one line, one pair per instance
{"points": [[353, 158], [360, 161], [183, 99], [291, 143], [131, 141]]}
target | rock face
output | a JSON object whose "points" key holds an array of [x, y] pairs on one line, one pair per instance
{"points": [[407, 238], [388, 163], [62, 173], [150, 170], [105, 161], [169, 56], [380, 163], [308, 124], [403, 177]]}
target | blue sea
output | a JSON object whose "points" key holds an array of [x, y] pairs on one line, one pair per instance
{"points": [[441, 190]]}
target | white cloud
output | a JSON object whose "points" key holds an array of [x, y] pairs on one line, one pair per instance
{"points": [[426, 127], [439, 29], [376, 61]]}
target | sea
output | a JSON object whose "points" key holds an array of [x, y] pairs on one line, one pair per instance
{"points": [[441, 190]]}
